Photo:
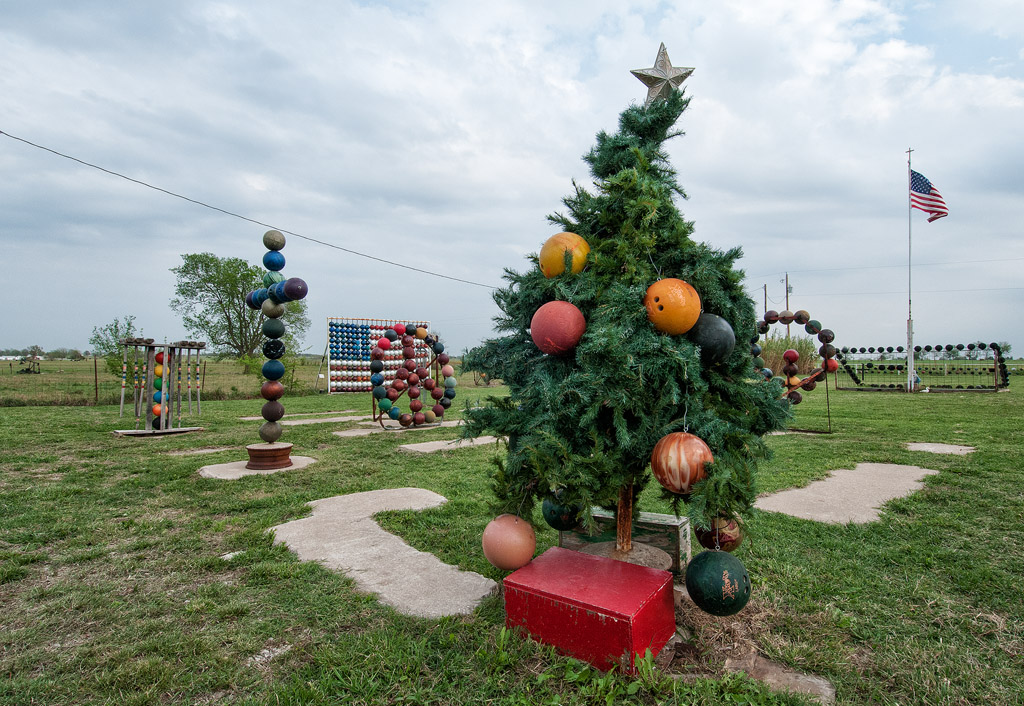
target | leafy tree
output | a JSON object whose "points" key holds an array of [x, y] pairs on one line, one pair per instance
{"points": [[210, 296], [34, 352], [584, 424], [106, 341]]}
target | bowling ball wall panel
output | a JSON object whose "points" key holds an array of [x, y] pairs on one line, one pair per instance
{"points": [[350, 341], [943, 367]]}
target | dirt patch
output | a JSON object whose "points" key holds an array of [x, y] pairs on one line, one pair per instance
{"points": [[707, 646]]}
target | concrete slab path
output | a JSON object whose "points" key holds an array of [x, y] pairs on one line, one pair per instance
{"points": [[954, 449], [347, 433], [197, 452], [237, 469], [324, 420], [335, 413], [848, 495], [392, 424], [342, 535], [390, 427], [429, 447]]}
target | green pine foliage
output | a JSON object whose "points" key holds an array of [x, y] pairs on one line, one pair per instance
{"points": [[586, 422]]}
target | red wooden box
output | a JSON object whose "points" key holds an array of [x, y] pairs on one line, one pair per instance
{"points": [[596, 609]]}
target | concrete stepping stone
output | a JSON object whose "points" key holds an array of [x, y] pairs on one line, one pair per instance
{"points": [[848, 495], [390, 427], [323, 420], [197, 452], [782, 678], [237, 469], [429, 447], [391, 424], [305, 414], [954, 449], [356, 432], [342, 535]]}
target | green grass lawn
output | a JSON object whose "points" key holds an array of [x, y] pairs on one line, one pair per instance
{"points": [[112, 589]]}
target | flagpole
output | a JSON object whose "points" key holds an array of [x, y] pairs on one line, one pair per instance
{"points": [[910, 316]]}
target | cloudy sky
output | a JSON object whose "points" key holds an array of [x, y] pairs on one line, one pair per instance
{"points": [[440, 135]]}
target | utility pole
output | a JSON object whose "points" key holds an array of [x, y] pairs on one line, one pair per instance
{"points": [[766, 309], [788, 290]]}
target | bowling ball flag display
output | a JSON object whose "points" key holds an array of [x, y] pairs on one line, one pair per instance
{"points": [[270, 300], [617, 343]]}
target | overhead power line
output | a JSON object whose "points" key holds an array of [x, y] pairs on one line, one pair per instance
{"points": [[902, 291], [879, 267], [458, 279], [241, 217]]}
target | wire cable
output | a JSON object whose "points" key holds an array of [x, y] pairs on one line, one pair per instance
{"points": [[244, 218], [879, 267]]}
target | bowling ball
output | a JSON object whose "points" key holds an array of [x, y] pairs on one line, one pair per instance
{"points": [[274, 348], [273, 328], [272, 411], [273, 370], [271, 390], [715, 337], [552, 254], [272, 309], [273, 240], [273, 260], [295, 289], [673, 306], [270, 431], [556, 327]]}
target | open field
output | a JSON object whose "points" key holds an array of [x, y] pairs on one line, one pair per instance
{"points": [[66, 382], [112, 589]]}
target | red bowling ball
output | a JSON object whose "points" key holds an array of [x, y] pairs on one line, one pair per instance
{"points": [[557, 327]]}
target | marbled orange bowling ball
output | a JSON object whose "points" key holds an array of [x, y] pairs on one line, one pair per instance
{"points": [[678, 461]]}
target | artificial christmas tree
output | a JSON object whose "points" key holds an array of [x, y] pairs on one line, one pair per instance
{"points": [[582, 421]]}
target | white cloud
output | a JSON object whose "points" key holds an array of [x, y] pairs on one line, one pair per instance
{"points": [[441, 134]]}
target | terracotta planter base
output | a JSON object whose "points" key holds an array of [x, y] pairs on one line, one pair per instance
{"points": [[266, 457]]}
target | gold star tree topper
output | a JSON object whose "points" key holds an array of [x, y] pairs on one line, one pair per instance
{"points": [[661, 78]]}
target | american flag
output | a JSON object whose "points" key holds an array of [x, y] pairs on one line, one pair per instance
{"points": [[924, 196]]}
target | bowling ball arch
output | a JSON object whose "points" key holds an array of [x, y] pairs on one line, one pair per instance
{"points": [[795, 385], [412, 380]]}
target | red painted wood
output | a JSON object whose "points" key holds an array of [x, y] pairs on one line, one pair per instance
{"points": [[596, 609]]}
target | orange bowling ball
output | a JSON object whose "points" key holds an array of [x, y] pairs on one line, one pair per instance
{"points": [[509, 542], [552, 254], [673, 306], [157, 410]]}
